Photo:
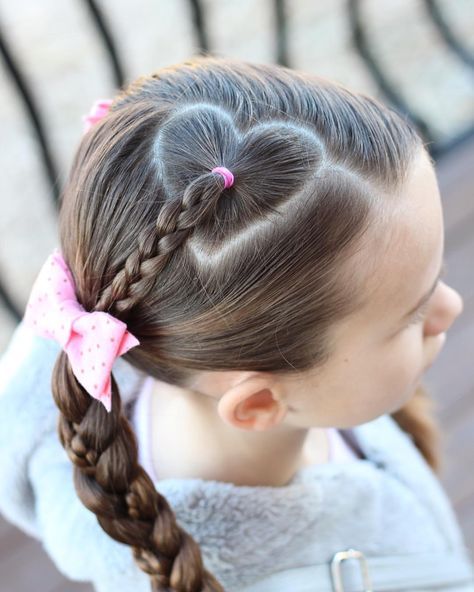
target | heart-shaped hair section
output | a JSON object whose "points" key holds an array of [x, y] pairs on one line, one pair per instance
{"points": [[273, 158]]}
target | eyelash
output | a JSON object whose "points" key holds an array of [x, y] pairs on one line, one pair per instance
{"points": [[419, 316]]}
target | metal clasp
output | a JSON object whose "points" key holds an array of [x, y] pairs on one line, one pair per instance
{"points": [[336, 569]]}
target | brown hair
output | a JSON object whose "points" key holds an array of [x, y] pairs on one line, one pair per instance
{"points": [[250, 278]]}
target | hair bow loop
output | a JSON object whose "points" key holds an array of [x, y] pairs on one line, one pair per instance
{"points": [[99, 109]]}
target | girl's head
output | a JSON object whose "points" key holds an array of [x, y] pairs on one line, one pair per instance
{"points": [[282, 296]]}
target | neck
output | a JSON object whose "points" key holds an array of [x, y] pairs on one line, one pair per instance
{"points": [[190, 441]]}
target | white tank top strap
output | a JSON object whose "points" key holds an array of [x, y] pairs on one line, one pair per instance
{"points": [[339, 450], [141, 421]]}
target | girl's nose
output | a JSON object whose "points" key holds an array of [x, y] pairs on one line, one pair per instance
{"points": [[446, 307]]}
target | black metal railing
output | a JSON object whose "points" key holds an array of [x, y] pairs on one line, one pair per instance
{"points": [[360, 42]]}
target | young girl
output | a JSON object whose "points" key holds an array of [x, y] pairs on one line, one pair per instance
{"points": [[246, 295]]}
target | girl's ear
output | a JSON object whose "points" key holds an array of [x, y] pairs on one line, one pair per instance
{"points": [[253, 404]]}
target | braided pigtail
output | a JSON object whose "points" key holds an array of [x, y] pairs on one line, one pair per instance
{"points": [[110, 482], [103, 447], [417, 418]]}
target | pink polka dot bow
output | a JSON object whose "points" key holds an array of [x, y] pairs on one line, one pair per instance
{"points": [[91, 340]]}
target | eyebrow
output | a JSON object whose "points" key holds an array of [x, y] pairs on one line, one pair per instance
{"points": [[428, 295]]}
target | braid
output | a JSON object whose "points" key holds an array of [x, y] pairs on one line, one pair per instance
{"points": [[175, 223], [418, 418], [110, 482], [103, 447]]}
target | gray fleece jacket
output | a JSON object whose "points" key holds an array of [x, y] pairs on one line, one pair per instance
{"points": [[388, 504]]}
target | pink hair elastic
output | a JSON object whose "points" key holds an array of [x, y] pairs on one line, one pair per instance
{"points": [[228, 176]]}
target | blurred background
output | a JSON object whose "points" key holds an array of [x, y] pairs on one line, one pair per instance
{"points": [[60, 56]]}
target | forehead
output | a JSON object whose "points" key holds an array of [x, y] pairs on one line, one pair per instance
{"points": [[409, 249]]}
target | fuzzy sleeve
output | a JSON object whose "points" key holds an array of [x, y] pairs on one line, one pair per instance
{"points": [[27, 414], [28, 418], [71, 535]]}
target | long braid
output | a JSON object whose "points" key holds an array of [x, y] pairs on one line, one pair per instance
{"points": [[103, 447]]}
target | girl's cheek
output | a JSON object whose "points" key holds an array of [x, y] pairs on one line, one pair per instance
{"points": [[410, 349], [420, 350], [433, 346]]}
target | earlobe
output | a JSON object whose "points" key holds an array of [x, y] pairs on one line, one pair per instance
{"points": [[251, 406]]}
